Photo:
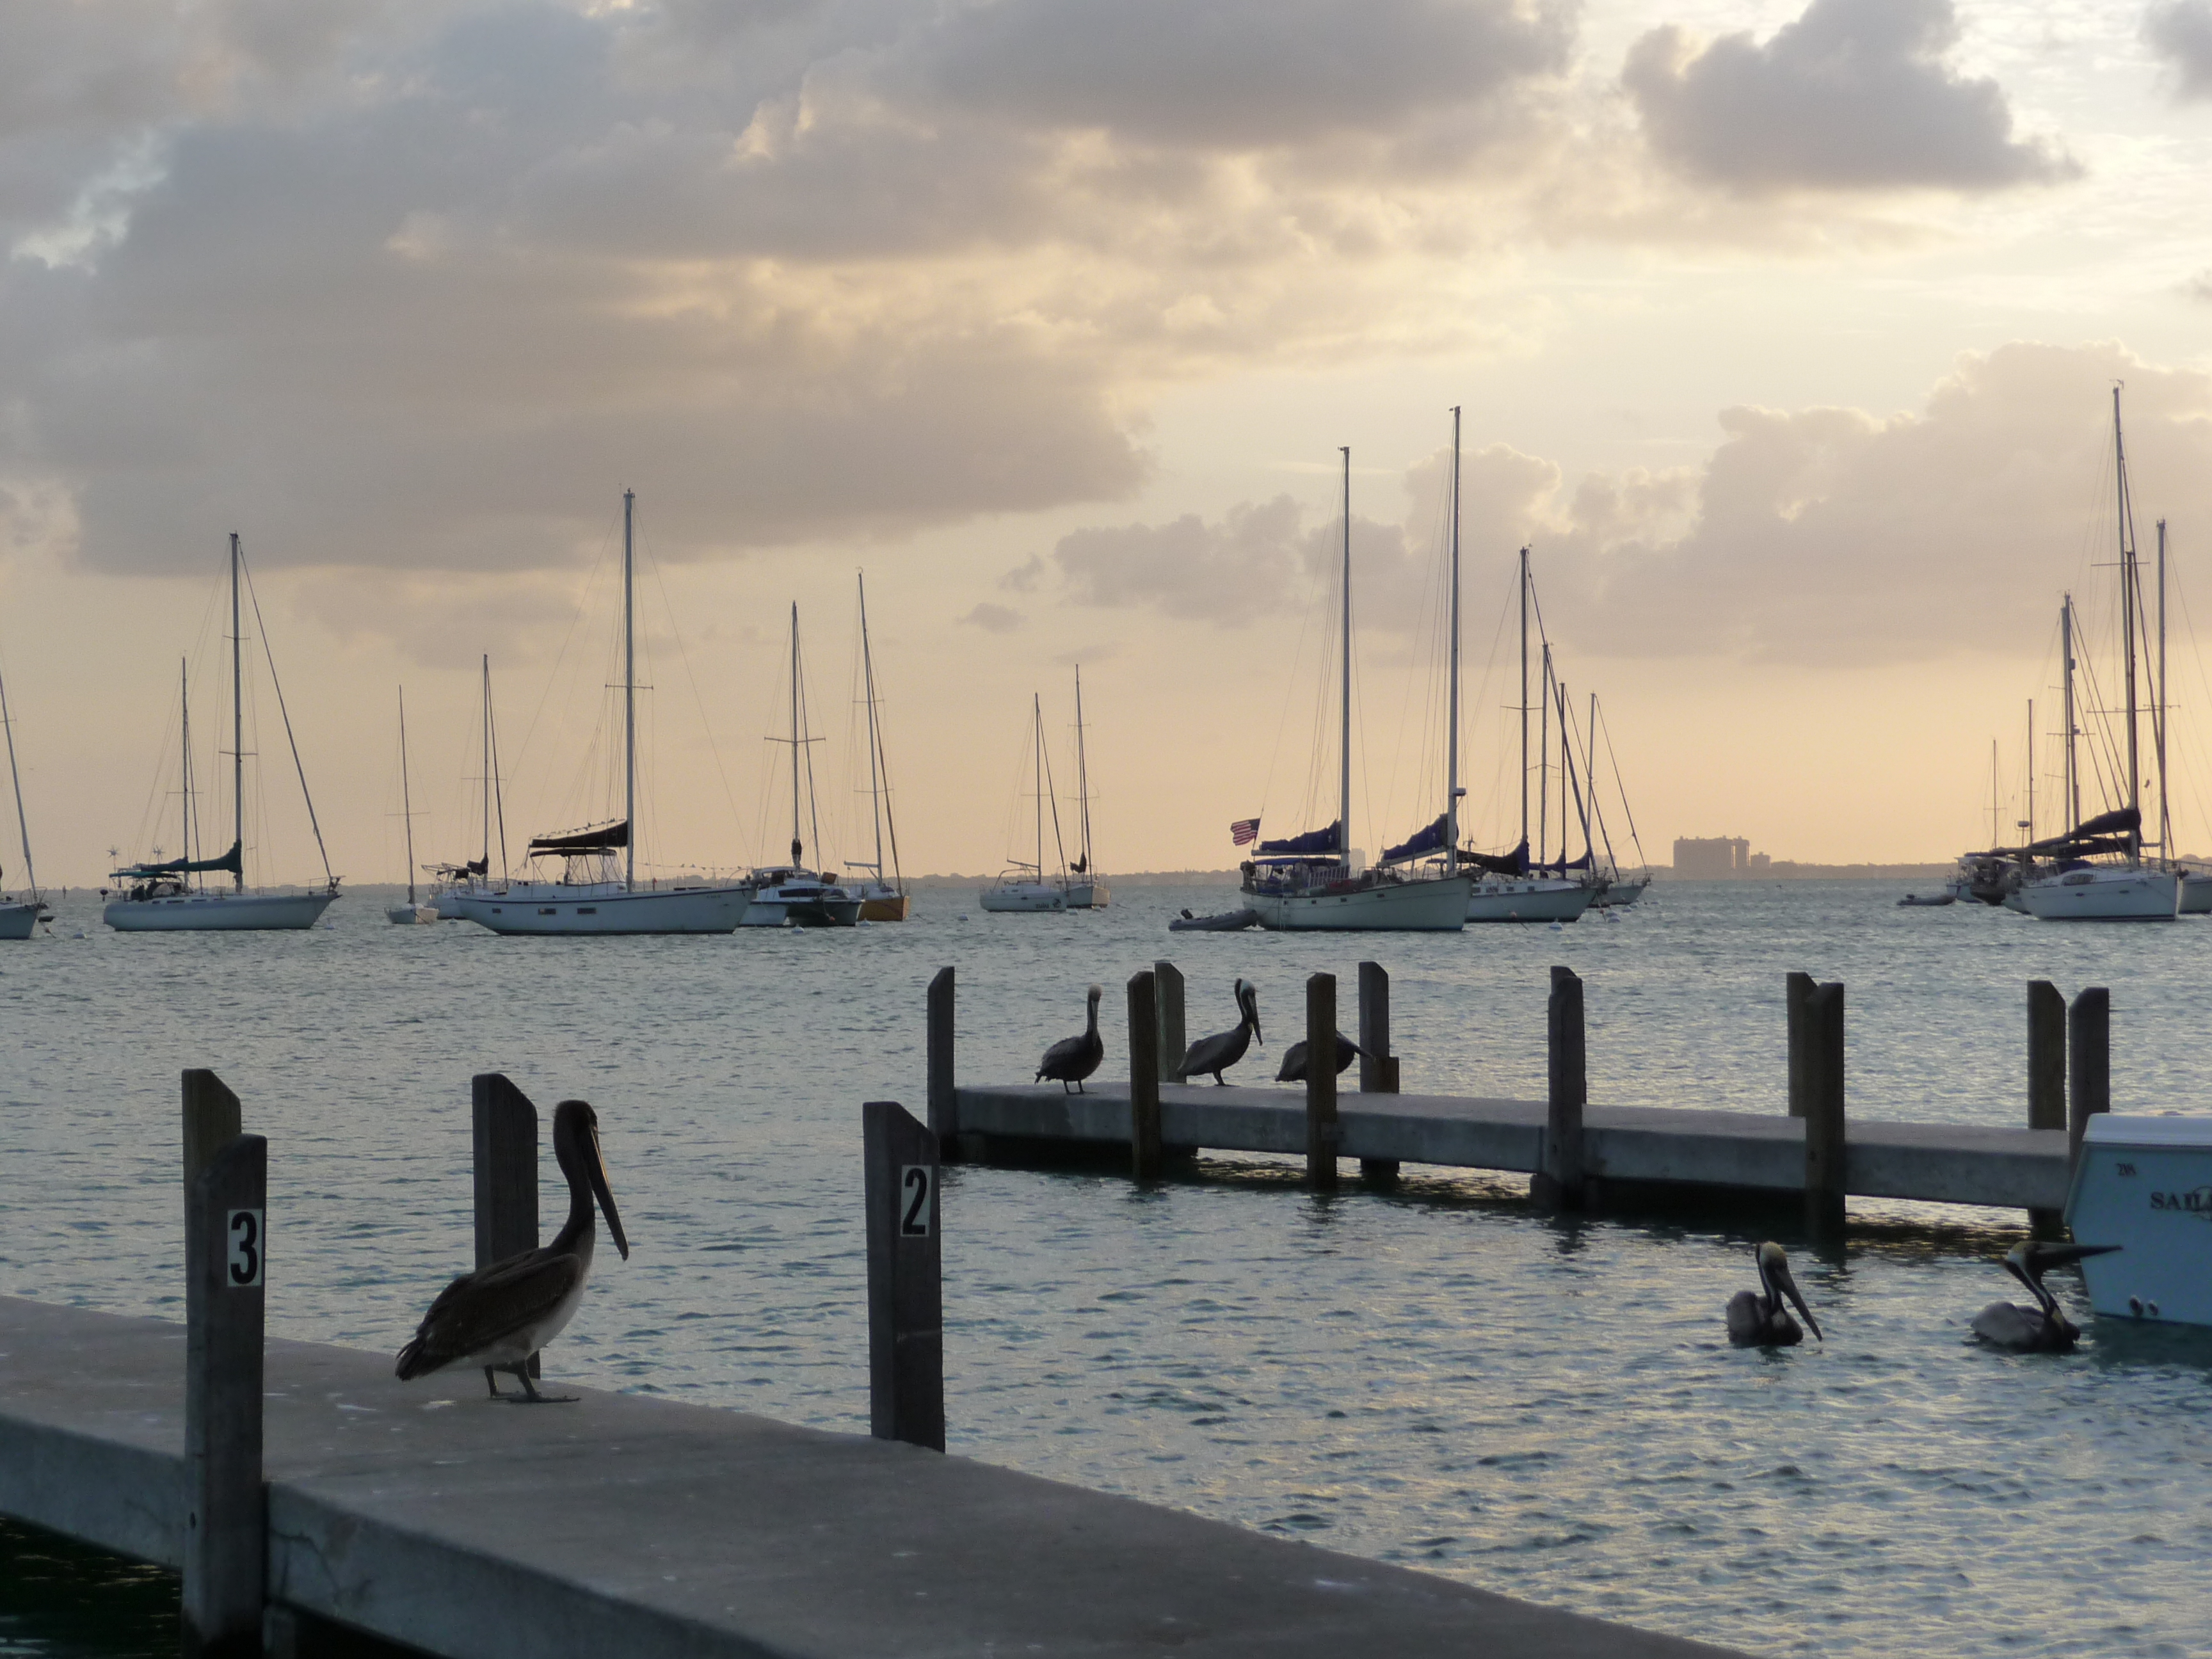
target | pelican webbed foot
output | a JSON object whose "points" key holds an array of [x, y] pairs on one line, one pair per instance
{"points": [[529, 1396]]}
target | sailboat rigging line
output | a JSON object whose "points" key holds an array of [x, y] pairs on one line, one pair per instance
{"points": [[15, 777], [879, 770], [1635, 839], [1045, 783], [491, 749], [189, 807], [553, 676], [271, 657]]}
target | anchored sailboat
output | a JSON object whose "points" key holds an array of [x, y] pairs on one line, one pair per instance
{"points": [[408, 914], [791, 895], [881, 900], [159, 898], [597, 891], [1086, 890], [18, 918], [1312, 882], [1023, 887], [451, 881]]}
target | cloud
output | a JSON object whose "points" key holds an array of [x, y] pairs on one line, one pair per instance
{"points": [[994, 618], [2180, 32], [1854, 95]]}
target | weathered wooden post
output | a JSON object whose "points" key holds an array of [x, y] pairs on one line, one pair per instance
{"points": [[226, 1508], [1558, 1182], [1144, 1076], [503, 1129], [1323, 1131], [2047, 1080], [2089, 1063], [944, 1104], [1796, 988], [1378, 1067], [211, 1120], [1824, 1109], [906, 1298], [1167, 980]]}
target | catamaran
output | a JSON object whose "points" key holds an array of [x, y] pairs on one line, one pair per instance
{"points": [[411, 913], [1086, 889], [1023, 888], [791, 895], [158, 897], [881, 899], [598, 891], [1314, 882], [19, 917]]}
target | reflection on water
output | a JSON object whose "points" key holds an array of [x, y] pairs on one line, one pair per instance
{"points": [[58, 1598], [1434, 1375]]}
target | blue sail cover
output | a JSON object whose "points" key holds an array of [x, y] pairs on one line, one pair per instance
{"points": [[1514, 863], [1315, 843], [233, 862], [1425, 843], [1582, 863]]}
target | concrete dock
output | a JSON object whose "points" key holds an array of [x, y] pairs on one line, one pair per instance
{"points": [[622, 1525], [1627, 1146]]}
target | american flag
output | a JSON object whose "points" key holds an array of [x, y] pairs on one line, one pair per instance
{"points": [[1244, 831]]}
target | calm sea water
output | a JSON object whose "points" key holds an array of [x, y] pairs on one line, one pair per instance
{"points": [[1436, 1377]]}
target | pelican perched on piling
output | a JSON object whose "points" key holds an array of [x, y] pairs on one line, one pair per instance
{"points": [[1071, 1060], [1294, 1059], [1760, 1319], [1216, 1053], [497, 1316], [2042, 1329]]}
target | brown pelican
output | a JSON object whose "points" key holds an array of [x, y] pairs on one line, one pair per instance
{"points": [[1071, 1060], [1294, 1059], [1760, 1319], [1216, 1053], [2042, 1329], [498, 1316]]}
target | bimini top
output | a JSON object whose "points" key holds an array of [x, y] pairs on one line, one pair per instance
{"points": [[2111, 1129], [594, 838]]}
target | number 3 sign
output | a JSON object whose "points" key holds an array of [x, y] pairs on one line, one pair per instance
{"points": [[242, 1271]]}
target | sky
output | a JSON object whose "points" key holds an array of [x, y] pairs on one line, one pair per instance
{"points": [[1784, 336]]}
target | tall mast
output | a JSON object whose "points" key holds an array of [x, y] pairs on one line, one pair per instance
{"points": [[1996, 835], [1036, 727], [1544, 758], [1082, 772], [185, 735], [1524, 705], [1451, 715], [875, 738], [630, 702], [1590, 784], [2160, 714], [486, 723], [2128, 598], [406, 797], [16, 778], [498, 796], [795, 843], [1344, 755], [2029, 825], [2066, 648], [237, 726]]}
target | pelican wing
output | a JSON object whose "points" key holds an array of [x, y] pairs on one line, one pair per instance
{"points": [[478, 1309], [1072, 1058], [1211, 1054]]}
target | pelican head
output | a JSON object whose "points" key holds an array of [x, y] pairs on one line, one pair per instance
{"points": [[1247, 999], [1774, 1275], [576, 1148], [2029, 1262], [1096, 991]]}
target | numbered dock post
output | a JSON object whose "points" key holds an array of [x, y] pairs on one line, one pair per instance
{"points": [[906, 1297], [2046, 1078], [226, 1511], [1167, 980], [211, 1120], [504, 1131], [1378, 1067], [1796, 990], [1824, 1109], [1559, 1182], [1144, 1076], [2088, 1063], [1323, 1132], [944, 1104]]}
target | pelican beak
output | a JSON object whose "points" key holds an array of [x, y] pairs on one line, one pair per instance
{"points": [[2044, 1257], [597, 1175], [1788, 1285]]}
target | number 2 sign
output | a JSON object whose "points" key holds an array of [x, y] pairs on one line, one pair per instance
{"points": [[242, 1268], [917, 1200]]}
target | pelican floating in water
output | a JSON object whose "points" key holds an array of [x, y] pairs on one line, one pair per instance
{"points": [[1216, 1053], [1071, 1060], [1761, 1318], [499, 1316], [1294, 1059], [2042, 1329]]}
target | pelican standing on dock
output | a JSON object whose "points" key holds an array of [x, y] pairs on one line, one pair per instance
{"points": [[1760, 1319], [1216, 1053], [2042, 1329], [497, 1316], [1071, 1060], [1294, 1059]]}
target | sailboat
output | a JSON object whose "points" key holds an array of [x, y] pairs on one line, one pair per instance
{"points": [[1023, 887], [1313, 882], [407, 915], [19, 917], [1085, 890], [598, 891], [791, 895], [2076, 888], [881, 900], [450, 881], [159, 898]]}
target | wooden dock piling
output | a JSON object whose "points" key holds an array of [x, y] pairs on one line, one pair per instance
{"points": [[906, 1297], [944, 1101], [503, 1128], [2089, 1063], [1145, 1075], [1796, 990], [1823, 1050], [1560, 1183], [1323, 1131], [1378, 1067], [225, 1513], [212, 1120], [1167, 982], [2047, 1078]]}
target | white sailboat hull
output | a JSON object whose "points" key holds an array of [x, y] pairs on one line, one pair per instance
{"points": [[1514, 899], [408, 915], [16, 920], [2195, 894], [1411, 907], [1089, 894], [549, 908], [1023, 897], [217, 912], [1619, 894], [2104, 894]]}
